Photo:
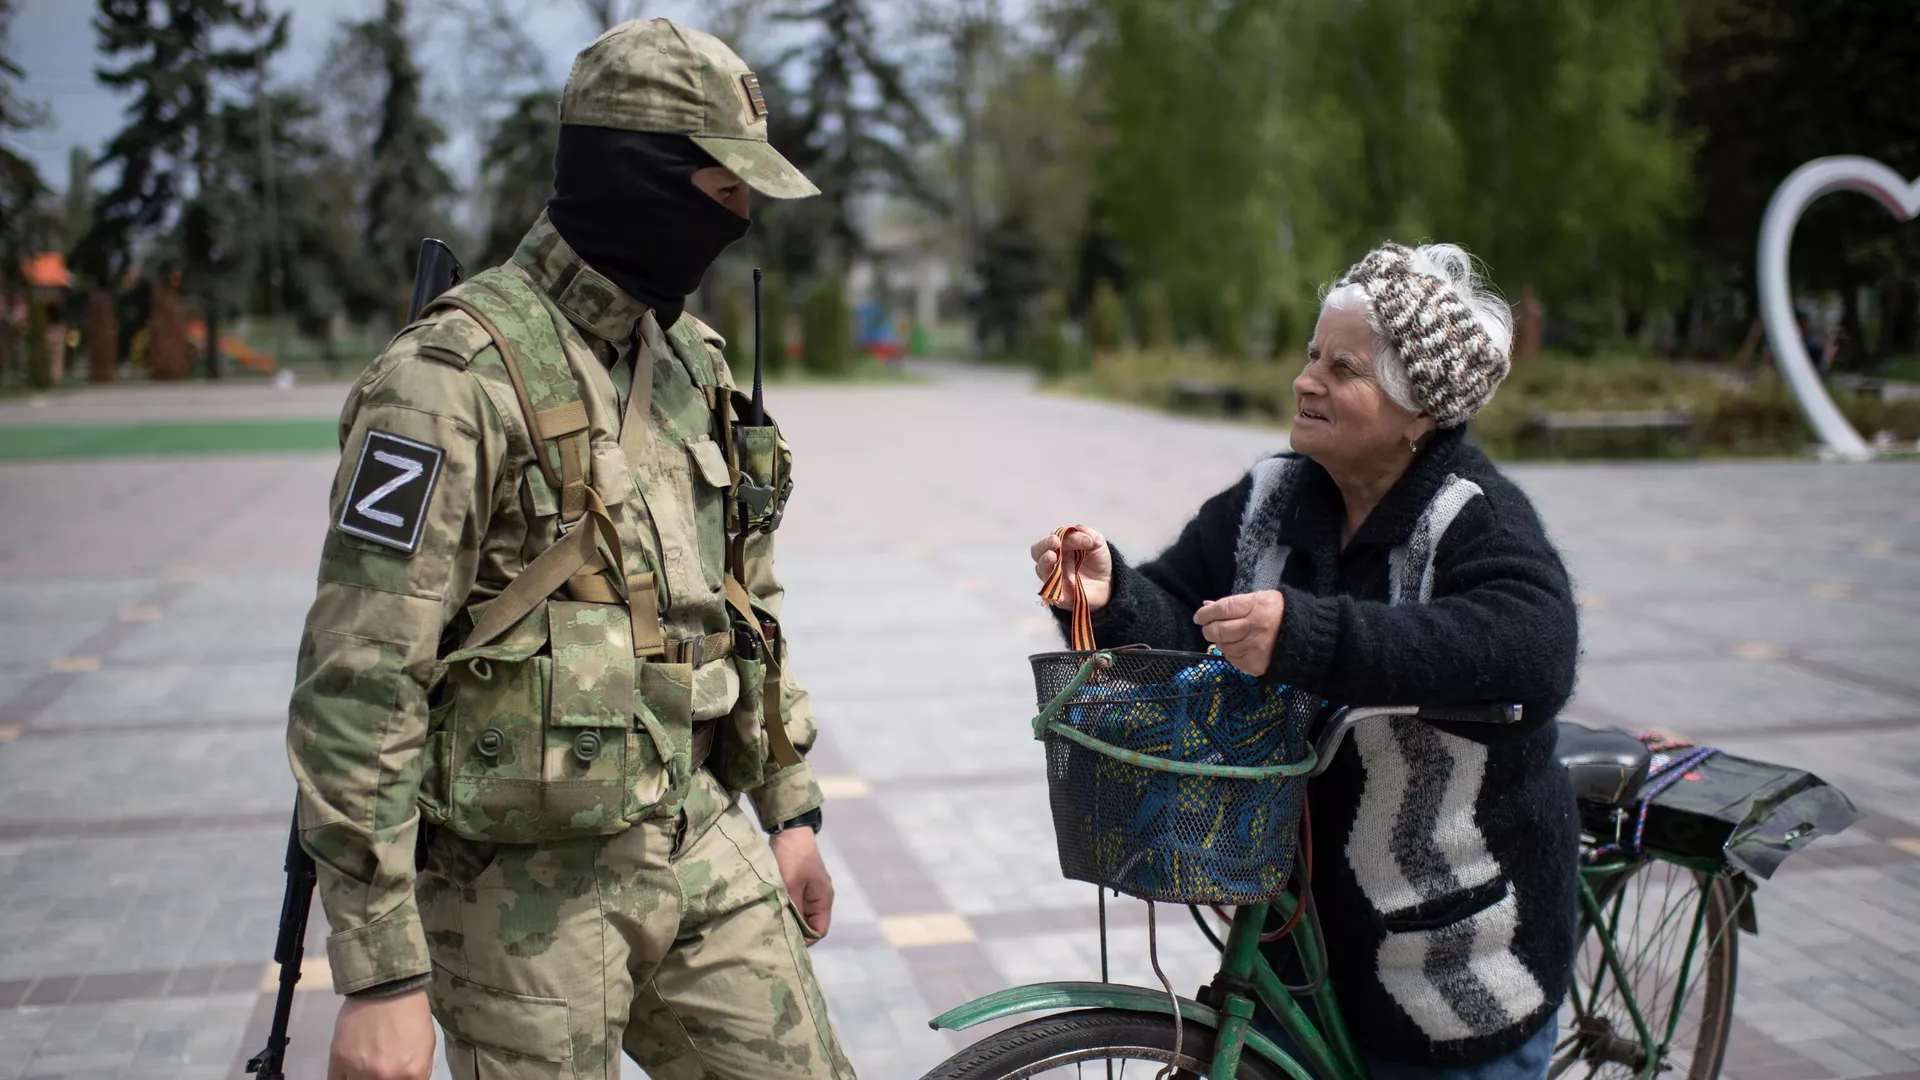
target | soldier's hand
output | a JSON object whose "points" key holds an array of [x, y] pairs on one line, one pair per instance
{"points": [[1096, 566], [383, 1039], [808, 883]]}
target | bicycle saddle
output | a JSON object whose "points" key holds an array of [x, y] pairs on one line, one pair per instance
{"points": [[1606, 765]]}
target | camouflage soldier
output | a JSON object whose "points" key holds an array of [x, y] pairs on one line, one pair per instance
{"points": [[546, 638]]}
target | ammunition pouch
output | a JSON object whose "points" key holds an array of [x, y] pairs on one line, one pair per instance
{"points": [[546, 734]]}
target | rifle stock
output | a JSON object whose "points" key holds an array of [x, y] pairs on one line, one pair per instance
{"points": [[435, 272]]}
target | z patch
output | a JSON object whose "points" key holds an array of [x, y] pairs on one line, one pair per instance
{"points": [[387, 502]]}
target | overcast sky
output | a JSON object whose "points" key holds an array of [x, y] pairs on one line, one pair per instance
{"points": [[53, 42]]}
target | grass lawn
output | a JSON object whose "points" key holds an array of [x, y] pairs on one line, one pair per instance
{"points": [[139, 440]]}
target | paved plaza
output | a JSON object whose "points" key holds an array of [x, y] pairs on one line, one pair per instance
{"points": [[150, 607]]}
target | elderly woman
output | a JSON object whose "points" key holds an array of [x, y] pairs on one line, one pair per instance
{"points": [[1385, 561]]}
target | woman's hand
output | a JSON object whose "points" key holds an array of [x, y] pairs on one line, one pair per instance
{"points": [[1245, 627], [1096, 566]]}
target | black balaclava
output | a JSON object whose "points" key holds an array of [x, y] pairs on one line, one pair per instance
{"points": [[625, 202]]}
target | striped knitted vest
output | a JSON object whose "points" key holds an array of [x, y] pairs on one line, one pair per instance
{"points": [[1415, 847]]}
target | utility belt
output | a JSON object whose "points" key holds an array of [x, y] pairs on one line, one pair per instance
{"points": [[561, 717]]}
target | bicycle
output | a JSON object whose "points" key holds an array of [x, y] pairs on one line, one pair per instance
{"points": [[1657, 929]]}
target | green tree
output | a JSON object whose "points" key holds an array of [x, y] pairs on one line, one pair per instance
{"points": [[1052, 353], [851, 132], [1156, 317], [1290, 329], [181, 60], [518, 173], [739, 350], [1108, 321], [407, 188], [21, 189], [773, 322], [1190, 177], [77, 203], [828, 345], [1230, 331], [1768, 85]]}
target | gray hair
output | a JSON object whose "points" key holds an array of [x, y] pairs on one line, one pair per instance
{"points": [[1460, 331]]}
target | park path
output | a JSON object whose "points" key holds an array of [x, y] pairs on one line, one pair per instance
{"points": [[149, 609]]}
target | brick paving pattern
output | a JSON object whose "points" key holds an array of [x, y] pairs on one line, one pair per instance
{"points": [[149, 610]]}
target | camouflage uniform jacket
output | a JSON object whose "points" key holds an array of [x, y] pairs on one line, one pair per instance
{"points": [[383, 617]]}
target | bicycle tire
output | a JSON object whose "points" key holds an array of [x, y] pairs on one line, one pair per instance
{"points": [[1052, 1046], [1602, 1037]]}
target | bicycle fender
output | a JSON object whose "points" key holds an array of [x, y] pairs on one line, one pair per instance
{"points": [[1055, 996]]}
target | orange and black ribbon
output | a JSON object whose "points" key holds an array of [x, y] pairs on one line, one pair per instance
{"points": [[1064, 578]]}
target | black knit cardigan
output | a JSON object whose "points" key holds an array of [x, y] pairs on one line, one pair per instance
{"points": [[1445, 853]]}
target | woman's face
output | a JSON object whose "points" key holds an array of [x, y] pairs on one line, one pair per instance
{"points": [[1344, 417]]}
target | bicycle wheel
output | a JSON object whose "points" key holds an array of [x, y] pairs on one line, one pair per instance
{"points": [[1091, 1045], [1652, 909]]}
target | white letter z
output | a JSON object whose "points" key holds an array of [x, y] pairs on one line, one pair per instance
{"points": [[410, 471]]}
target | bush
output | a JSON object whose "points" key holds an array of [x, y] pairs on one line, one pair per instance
{"points": [[827, 348], [1230, 331], [1290, 330], [739, 351], [1149, 377], [1156, 317], [1051, 351], [1108, 321]]}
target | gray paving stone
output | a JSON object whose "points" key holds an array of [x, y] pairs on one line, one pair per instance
{"points": [[137, 904], [168, 694], [213, 638], [1727, 694], [911, 612], [96, 777], [29, 646], [877, 1012]]}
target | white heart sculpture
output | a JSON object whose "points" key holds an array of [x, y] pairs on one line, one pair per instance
{"points": [[1807, 183]]}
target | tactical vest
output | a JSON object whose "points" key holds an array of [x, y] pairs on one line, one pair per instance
{"points": [[565, 711]]}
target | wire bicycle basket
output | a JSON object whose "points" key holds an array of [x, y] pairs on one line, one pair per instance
{"points": [[1172, 776]]}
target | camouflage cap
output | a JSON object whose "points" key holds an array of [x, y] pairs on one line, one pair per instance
{"points": [[655, 75]]}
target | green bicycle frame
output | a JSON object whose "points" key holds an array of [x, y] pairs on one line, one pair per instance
{"points": [[1326, 1049], [1328, 1056]]}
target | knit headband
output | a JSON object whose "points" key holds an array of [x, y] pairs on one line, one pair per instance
{"points": [[1452, 363]]}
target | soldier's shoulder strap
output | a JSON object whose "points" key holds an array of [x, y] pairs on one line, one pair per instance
{"points": [[519, 322], [525, 328], [699, 346]]}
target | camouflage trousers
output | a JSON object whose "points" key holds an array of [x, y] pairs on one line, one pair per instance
{"points": [[674, 941]]}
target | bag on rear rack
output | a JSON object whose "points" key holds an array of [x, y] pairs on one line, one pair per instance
{"points": [[1743, 813]]}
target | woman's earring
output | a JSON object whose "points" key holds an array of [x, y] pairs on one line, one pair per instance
{"points": [[1412, 447]]}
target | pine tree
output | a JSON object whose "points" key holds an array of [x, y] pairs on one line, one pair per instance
{"points": [[22, 224], [177, 75], [851, 132], [518, 174], [179, 58], [408, 187]]}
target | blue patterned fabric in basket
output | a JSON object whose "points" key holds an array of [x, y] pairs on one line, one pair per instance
{"points": [[1169, 836]]}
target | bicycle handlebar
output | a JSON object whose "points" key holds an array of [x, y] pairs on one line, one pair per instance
{"points": [[1345, 719]]}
